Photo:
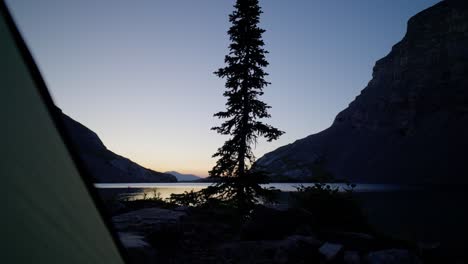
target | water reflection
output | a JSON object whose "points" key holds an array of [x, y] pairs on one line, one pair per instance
{"points": [[134, 191]]}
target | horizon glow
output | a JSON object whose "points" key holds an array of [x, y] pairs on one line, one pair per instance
{"points": [[140, 74]]}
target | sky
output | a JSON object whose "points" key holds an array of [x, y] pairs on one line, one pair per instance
{"points": [[140, 73]]}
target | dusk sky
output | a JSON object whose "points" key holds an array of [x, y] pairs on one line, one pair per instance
{"points": [[140, 73]]}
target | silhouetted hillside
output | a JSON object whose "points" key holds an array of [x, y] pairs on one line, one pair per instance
{"points": [[104, 165], [409, 125], [183, 177]]}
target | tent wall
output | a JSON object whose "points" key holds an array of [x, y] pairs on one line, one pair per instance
{"points": [[47, 212]]}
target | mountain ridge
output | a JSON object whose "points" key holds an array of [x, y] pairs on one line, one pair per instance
{"points": [[104, 165], [183, 176], [408, 125]]}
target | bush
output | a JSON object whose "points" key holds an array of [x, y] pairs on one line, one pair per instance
{"points": [[150, 199], [187, 198], [331, 207]]}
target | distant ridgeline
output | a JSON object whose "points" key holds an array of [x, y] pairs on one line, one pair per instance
{"points": [[184, 177], [104, 165], [409, 125]]}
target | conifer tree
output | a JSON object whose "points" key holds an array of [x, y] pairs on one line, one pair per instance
{"points": [[245, 82]]}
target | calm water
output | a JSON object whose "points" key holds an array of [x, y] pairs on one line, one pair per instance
{"points": [[164, 190]]}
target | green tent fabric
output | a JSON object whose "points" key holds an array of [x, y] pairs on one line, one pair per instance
{"points": [[48, 212]]}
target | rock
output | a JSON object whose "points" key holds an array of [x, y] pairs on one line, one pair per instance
{"points": [[182, 208], [430, 251], [161, 228], [362, 236], [130, 240], [138, 250], [351, 257], [425, 247], [392, 256], [251, 251], [330, 251], [309, 241], [148, 219], [417, 97], [293, 249], [271, 224], [280, 207], [353, 240]]}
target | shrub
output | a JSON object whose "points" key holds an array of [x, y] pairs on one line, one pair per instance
{"points": [[187, 198], [331, 207]]}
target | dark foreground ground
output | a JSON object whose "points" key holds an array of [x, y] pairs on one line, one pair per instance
{"points": [[403, 227], [431, 217]]}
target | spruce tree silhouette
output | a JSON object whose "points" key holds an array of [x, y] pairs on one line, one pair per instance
{"points": [[245, 81]]}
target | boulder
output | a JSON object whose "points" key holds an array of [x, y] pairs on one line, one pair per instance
{"points": [[298, 240], [392, 256], [147, 220], [330, 251], [351, 257], [138, 250], [430, 251], [354, 241], [293, 249]]}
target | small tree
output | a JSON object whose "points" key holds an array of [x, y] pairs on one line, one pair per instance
{"points": [[245, 81]]}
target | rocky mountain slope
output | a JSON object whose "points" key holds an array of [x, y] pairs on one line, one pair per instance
{"points": [[409, 125], [106, 166]]}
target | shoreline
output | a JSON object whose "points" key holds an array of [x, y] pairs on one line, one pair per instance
{"points": [[430, 216]]}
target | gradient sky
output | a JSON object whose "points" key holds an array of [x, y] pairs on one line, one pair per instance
{"points": [[139, 73]]}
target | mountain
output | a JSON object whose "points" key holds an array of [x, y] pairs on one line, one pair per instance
{"points": [[184, 177], [104, 165], [409, 125]]}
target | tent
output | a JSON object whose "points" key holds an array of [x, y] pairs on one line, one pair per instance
{"points": [[50, 213]]}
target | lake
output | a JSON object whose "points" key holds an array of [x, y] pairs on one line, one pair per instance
{"points": [[164, 190]]}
